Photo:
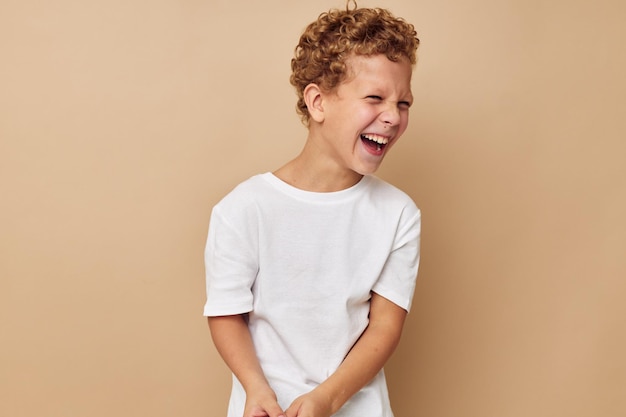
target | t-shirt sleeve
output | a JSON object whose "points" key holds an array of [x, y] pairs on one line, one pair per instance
{"points": [[231, 265], [397, 280]]}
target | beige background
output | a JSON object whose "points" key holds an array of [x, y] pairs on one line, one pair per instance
{"points": [[123, 122]]}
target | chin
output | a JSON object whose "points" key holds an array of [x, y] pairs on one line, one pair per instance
{"points": [[367, 169]]}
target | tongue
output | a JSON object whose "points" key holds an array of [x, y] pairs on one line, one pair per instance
{"points": [[370, 144]]}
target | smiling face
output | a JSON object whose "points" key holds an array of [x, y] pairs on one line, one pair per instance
{"points": [[355, 125]]}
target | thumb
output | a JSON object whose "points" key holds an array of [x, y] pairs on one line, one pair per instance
{"points": [[292, 411], [274, 410]]}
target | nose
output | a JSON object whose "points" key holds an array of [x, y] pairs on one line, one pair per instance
{"points": [[391, 115]]}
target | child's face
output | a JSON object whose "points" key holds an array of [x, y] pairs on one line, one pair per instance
{"points": [[366, 115]]}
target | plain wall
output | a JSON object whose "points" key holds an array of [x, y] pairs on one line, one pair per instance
{"points": [[123, 122]]}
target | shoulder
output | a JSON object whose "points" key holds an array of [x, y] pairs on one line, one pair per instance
{"points": [[390, 196], [246, 192], [381, 186], [242, 202]]}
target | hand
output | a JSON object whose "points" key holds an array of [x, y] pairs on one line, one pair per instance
{"points": [[312, 404], [263, 405]]}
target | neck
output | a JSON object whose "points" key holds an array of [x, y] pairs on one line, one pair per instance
{"points": [[309, 172]]}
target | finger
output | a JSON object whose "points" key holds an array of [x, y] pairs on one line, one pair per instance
{"points": [[293, 410], [274, 410]]}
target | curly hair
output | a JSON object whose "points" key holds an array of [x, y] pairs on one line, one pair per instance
{"points": [[325, 45]]}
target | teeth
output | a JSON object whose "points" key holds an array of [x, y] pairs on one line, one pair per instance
{"points": [[381, 140]]}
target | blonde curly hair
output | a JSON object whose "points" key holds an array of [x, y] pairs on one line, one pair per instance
{"points": [[325, 45]]}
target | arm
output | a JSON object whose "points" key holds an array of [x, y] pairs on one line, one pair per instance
{"points": [[366, 358], [232, 339]]}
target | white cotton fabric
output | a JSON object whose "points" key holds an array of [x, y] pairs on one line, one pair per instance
{"points": [[303, 264]]}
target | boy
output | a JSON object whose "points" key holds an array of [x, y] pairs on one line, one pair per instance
{"points": [[311, 269]]}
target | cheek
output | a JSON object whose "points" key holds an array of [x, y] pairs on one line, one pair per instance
{"points": [[404, 123], [365, 114]]}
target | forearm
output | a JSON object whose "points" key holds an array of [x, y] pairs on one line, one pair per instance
{"points": [[233, 342], [368, 355]]}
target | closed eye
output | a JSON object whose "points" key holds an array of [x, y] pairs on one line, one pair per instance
{"points": [[377, 98]]}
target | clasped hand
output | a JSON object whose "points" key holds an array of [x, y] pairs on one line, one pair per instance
{"points": [[311, 404]]}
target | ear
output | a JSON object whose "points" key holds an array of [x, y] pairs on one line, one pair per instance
{"points": [[313, 97]]}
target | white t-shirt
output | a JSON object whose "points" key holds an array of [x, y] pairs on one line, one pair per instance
{"points": [[303, 264]]}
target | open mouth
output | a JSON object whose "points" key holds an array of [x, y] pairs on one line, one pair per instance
{"points": [[374, 142]]}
